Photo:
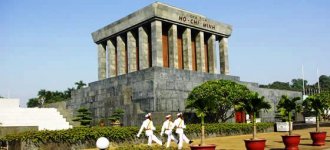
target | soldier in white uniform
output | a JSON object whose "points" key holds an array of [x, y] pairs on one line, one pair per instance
{"points": [[167, 128], [179, 124], [149, 127]]}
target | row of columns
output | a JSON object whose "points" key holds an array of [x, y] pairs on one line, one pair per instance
{"points": [[137, 49]]}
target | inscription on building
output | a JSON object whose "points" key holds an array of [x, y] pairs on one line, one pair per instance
{"points": [[197, 20]]}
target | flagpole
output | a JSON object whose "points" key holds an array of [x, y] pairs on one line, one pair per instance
{"points": [[303, 77], [318, 80]]}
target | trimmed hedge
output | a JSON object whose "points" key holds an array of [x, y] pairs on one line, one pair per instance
{"points": [[123, 134]]}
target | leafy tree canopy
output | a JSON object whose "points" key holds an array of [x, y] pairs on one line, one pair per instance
{"points": [[252, 103], [215, 98], [278, 85], [325, 82], [46, 96], [286, 105], [297, 85], [317, 104], [33, 102]]}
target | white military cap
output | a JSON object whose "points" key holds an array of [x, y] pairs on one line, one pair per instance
{"points": [[168, 116], [147, 115], [179, 114]]}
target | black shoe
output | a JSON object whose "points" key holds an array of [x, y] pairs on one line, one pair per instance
{"points": [[177, 142], [190, 141]]}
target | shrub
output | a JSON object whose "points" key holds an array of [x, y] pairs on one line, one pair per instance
{"points": [[121, 134]]}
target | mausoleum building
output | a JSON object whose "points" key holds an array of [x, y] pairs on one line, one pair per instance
{"points": [[150, 60], [160, 35]]}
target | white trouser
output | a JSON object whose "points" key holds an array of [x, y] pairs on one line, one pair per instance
{"points": [[170, 137], [152, 137], [182, 138]]}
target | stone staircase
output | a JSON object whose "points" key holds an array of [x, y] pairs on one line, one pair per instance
{"points": [[66, 112], [44, 118]]}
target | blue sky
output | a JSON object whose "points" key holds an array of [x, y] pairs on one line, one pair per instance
{"points": [[48, 45]]}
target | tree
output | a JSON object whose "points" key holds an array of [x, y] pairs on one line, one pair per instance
{"points": [[286, 106], [220, 96], [203, 104], [297, 84], [324, 82], [252, 104], [33, 102], [80, 84], [318, 104], [84, 116], [280, 85], [1, 96], [117, 115], [67, 93]]}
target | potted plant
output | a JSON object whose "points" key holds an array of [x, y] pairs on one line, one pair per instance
{"points": [[252, 104], [116, 116], [318, 103], [286, 106], [201, 106], [102, 122]]}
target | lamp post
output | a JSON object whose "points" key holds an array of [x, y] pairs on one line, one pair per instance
{"points": [[102, 143]]}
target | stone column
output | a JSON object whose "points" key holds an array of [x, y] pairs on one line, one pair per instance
{"points": [[102, 69], [111, 59], [156, 43], [187, 54], [131, 52], [143, 49], [212, 54], [200, 52], [120, 56], [223, 49], [173, 46]]}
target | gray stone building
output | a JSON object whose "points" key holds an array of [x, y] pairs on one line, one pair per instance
{"points": [[150, 60]]}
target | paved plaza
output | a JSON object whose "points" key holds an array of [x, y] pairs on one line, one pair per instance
{"points": [[274, 141]]}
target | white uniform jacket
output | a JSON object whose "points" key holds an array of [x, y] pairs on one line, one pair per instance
{"points": [[148, 126], [167, 127], [179, 124]]}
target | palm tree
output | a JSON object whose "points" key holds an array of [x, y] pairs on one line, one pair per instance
{"points": [[319, 103], [286, 106], [201, 106], [252, 104], [67, 93], [80, 84]]}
